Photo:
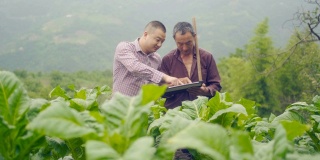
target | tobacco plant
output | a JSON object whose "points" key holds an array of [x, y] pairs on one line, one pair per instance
{"points": [[76, 125]]}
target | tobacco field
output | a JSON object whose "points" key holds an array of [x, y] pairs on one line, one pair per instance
{"points": [[78, 126]]}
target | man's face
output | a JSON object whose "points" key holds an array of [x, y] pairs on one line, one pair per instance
{"points": [[155, 40], [184, 42]]}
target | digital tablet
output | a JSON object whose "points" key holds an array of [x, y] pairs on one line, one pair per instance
{"points": [[179, 88]]}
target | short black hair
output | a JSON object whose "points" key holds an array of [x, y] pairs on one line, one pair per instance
{"points": [[155, 25], [183, 27]]}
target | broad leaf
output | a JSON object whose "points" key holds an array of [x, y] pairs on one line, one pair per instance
{"points": [[59, 120], [241, 147], [151, 92], [316, 118], [316, 101], [235, 108], [294, 129], [14, 100], [141, 149], [263, 151], [249, 105], [196, 109], [275, 149], [14, 106], [82, 104], [209, 139], [290, 115], [97, 150], [281, 143], [168, 118], [59, 92], [217, 103], [127, 117]]}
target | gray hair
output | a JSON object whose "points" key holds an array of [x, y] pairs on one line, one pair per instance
{"points": [[183, 27]]}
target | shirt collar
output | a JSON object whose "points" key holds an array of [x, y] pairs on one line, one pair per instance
{"points": [[177, 53], [138, 48]]}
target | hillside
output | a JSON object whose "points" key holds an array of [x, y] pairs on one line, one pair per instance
{"points": [[43, 35]]}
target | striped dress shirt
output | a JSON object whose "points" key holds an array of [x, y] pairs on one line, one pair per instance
{"points": [[132, 68]]}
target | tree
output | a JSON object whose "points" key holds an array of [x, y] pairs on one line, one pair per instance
{"points": [[299, 75], [244, 73], [260, 53], [309, 19], [235, 72]]}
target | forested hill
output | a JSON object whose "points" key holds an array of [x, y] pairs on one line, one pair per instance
{"points": [[46, 35]]}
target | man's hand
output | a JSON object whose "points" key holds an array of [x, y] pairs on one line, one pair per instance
{"points": [[171, 81], [202, 91], [185, 80]]}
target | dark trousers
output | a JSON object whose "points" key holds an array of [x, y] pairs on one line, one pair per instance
{"points": [[182, 154]]}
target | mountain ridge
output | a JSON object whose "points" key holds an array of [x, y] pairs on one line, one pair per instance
{"points": [[69, 36]]}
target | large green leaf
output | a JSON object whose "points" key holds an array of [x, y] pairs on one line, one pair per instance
{"points": [[303, 106], [241, 147], [316, 118], [168, 119], [249, 105], [299, 156], [163, 124], [82, 104], [151, 92], [196, 109], [261, 131], [281, 145], [218, 102], [37, 105], [276, 149], [209, 139], [123, 112], [127, 117], [97, 150], [316, 101], [158, 110], [15, 111], [59, 120], [263, 151], [228, 114], [294, 129], [14, 100], [59, 92], [289, 115], [141, 149]]}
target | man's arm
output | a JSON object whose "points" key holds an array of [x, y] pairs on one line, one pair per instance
{"points": [[171, 81]]}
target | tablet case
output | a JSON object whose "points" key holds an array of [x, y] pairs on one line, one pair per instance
{"points": [[181, 88]]}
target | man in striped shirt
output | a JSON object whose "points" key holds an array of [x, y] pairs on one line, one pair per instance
{"points": [[136, 63]]}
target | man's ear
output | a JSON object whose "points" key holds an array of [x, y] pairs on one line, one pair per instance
{"points": [[194, 35], [145, 33]]}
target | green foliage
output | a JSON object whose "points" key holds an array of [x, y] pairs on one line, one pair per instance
{"points": [[216, 128], [40, 84], [18, 142], [274, 78], [298, 72]]}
